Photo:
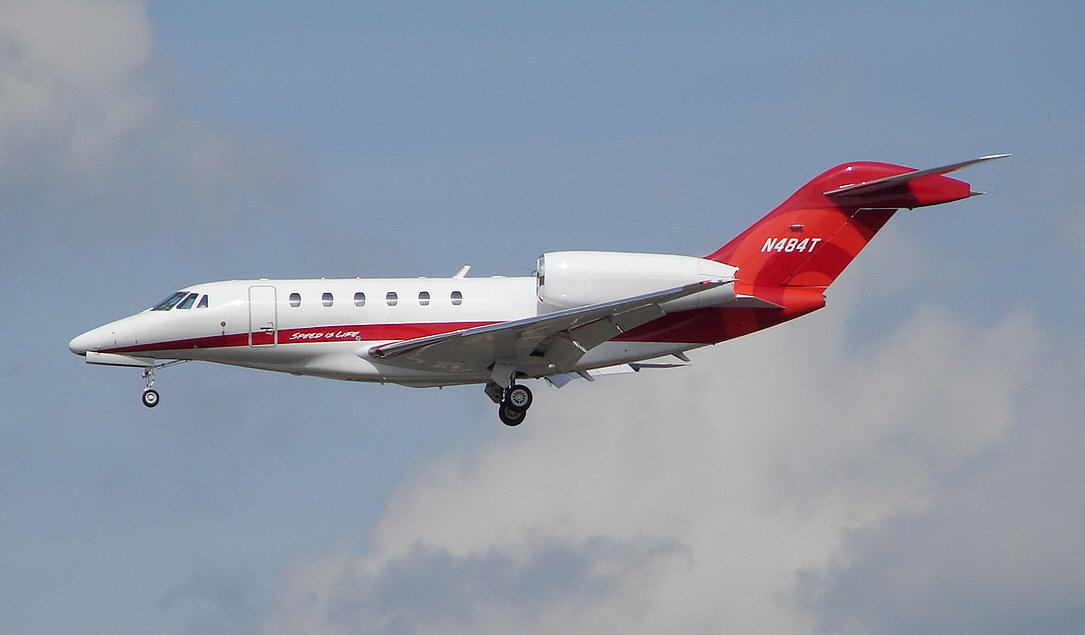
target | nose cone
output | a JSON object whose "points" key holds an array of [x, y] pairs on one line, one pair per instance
{"points": [[80, 344], [93, 340]]}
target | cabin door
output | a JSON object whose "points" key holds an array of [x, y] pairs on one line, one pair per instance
{"points": [[263, 324]]}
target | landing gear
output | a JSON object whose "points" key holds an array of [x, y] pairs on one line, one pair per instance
{"points": [[518, 397], [514, 404], [510, 416], [150, 398], [511, 398], [150, 395]]}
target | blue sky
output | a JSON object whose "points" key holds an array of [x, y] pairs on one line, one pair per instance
{"points": [[906, 460]]}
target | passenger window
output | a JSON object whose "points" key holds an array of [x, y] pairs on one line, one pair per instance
{"points": [[359, 299], [392, 298], [203, 303], [327, 299], [457, 298], [188, 301], [295, 299], [423, 298]]}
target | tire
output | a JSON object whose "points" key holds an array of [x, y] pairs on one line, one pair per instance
{"points": [[150, 398], [519, 397], [510, 416]]}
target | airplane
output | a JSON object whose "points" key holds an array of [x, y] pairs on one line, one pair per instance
{"points": [[581, 314]]}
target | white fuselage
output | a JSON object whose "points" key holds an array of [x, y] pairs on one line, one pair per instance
{"points": [[325, 327]]}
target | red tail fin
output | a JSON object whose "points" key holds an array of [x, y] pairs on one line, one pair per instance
{"points": [[811, 237]]}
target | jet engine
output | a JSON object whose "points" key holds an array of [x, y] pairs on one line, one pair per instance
{"points": [[567, 279]]}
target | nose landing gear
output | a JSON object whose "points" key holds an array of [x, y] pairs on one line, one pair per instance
{"points": [[150, 395], [150, 398]]}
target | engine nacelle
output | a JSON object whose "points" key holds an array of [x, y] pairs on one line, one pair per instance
{"points": [[567, 279]]}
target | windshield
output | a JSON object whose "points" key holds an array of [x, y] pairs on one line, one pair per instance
{"points": [[189, 301], [170, 302]]}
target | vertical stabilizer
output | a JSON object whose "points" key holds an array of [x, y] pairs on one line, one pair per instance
{"points": [[811, 237]]}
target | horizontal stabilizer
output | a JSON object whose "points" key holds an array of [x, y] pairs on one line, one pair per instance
{"points": [[878, 185]]}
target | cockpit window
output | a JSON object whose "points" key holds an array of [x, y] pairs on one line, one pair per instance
{"points": [[203, 303], [170, 302], [188, 301]]}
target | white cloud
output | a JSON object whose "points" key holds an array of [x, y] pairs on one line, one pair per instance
{"points": [[1001, 547], [90, 143], [742, 495], [71, 82]]}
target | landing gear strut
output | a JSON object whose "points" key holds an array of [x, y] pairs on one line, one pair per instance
{"points": [[514, 404], [150, 395]]}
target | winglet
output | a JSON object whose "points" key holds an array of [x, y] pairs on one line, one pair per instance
{"points": [[462, 273]]}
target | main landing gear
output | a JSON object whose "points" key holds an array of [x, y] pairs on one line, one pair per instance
{"points": [[512, 402]]}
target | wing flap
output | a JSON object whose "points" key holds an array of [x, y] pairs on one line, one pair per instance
{"points": [[591, 335], [635, 317], [560, 380]]}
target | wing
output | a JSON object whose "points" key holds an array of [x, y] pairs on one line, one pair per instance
{"points": [[539, 345]]}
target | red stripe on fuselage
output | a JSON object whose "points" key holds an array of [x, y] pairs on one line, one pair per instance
{"points": [[699, 326], [340, 333]]}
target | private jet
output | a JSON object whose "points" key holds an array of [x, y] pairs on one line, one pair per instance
{"points": [[581, 314]]}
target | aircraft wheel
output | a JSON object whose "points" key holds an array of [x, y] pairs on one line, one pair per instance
{"points": [[519, 397], [150, 398], [511, 416]]}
